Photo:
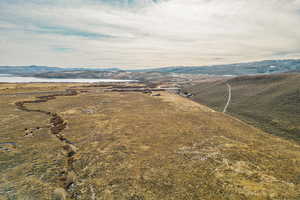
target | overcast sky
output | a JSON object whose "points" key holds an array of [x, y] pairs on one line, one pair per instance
{"points": [[147, 33]]}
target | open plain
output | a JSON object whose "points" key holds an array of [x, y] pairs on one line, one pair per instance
{"points": [[82, 141]]}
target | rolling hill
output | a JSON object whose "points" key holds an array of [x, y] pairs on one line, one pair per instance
{"points": [[270, 102]]}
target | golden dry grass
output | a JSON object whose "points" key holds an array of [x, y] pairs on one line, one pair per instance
{"points": [[137, 147]]}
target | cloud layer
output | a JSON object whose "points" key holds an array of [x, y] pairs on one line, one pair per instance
{"points": [[147, 33]]}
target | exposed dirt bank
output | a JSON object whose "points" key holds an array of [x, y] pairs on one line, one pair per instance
{"points": [[57, 125]]}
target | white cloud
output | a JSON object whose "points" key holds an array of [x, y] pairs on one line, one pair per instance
{"points": [[147, 34]]}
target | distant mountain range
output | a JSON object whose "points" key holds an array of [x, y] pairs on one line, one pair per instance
{"points": [[33, 69], [261, 67]]}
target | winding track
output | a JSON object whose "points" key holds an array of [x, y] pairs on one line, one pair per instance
{"points": [[229, 98]]}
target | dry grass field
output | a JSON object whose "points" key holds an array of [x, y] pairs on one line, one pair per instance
{"points": [[133, 146]]}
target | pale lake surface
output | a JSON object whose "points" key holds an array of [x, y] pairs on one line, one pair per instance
{"points": [[6, 78]]}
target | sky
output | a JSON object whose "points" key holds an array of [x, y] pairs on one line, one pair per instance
{"points": [[147, 33]]}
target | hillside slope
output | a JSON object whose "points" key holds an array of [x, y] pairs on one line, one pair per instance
{"points": [[270, 102], [133, 146]]}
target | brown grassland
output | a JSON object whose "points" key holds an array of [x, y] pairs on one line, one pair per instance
{"points": [[134, 146]]}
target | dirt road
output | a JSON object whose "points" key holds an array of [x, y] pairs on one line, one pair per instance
{"points": [[229, 98]]}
